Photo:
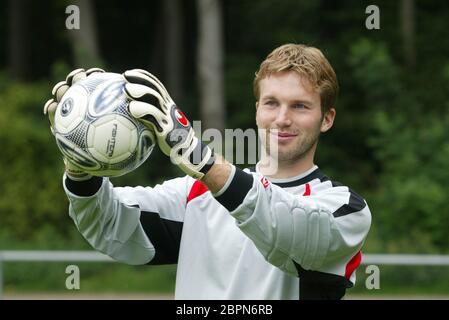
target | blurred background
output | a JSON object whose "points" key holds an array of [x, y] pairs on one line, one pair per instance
{"points": [[390, 141]]}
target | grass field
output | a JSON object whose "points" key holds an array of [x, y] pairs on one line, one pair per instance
{"points": [[117, 281], [143, 296]]}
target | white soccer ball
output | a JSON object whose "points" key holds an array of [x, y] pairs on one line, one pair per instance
{"points": [[94, 129]]}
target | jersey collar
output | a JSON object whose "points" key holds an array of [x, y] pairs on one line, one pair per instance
{"points": [[309, 175]]}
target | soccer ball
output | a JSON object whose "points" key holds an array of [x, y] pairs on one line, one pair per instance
{"points": [[94, 129]]}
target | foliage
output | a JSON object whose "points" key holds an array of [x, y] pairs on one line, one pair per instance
{"points": [[31, 194], [410, 145]]}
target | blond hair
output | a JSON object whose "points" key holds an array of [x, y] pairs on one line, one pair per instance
{"points": [[308, 62]]}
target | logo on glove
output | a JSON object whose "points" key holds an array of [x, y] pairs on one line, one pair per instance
{"points": [[181, 118]]}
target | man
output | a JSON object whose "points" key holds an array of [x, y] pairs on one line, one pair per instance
{"points": [[254, 234]]}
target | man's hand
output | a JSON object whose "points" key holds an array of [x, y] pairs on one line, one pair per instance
{"points": [[152, 104], [74, 172]]}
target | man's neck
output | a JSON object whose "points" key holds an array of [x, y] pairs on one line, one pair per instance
{"points": [[284, 169]]}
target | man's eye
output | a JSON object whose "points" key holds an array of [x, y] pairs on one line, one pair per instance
{"points": [[270, 103], [300, 106]]}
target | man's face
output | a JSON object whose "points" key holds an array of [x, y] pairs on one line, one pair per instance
{"points": [[289, 109]]}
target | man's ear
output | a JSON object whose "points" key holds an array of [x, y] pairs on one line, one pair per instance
{"points": [[328, 119], [257, 104]]}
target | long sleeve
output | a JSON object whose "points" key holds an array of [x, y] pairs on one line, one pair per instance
{"points": [[322, 231], [132, 225]]}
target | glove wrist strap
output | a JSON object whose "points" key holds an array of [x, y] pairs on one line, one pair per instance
{"points": [[202, 154], [210, 162]]}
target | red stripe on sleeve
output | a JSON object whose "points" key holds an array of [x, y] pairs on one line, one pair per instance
{"points": [[353, 264], [198, 189]]}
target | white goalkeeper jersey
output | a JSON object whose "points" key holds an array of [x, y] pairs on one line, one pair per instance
{"points": [[258, 238]]}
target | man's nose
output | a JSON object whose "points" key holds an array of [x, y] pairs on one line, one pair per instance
{"points": [[283, 117]]}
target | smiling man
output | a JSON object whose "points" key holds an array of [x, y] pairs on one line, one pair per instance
{"points": [[289, 109], [256, 233]]}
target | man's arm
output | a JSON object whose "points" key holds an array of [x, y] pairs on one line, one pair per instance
{"points": [[132, 225], [295, 232], [218, 175]]}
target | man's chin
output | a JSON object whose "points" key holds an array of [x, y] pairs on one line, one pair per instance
{"points": [[282, 156], [289, 154]]}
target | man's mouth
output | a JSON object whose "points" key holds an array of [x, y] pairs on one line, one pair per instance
{"points": [[283, 136]]}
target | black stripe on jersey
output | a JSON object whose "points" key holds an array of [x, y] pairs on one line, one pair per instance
{"points": [[237, 190], [316, 174], [165, 235], [85, 188], [356, 202], [315, 285]]}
